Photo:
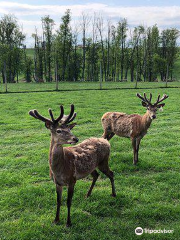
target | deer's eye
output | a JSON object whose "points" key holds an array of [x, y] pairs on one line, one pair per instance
{"points": [[59, 131]]}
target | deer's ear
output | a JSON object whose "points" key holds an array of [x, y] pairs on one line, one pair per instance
{"points": [[48, 124], [144, 104], [160, 105], [72, 125]]}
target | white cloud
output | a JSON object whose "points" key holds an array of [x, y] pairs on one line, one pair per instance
{"points": [[30, 15]]}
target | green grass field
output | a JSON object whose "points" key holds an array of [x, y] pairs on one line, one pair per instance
{"points": [[148, 195], [69, 86]]}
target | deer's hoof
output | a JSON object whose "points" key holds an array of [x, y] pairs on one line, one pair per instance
{"points": [[87, 195], [57, 222], [68, 224], [113, 194]]}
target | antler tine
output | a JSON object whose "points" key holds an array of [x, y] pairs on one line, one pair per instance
{"points": [[68, 119], [72, 118], [144, 99], [162, 99], [51, 114], [61, 114], [31, 112], [150, 97], [157, 100], [34, 113], [40, 117], [139, 96], [147, 101]]}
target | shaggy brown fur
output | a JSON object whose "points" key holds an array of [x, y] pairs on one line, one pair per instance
{"points": [[73, 163], [125, 125], [132, 126], [69, 164]]}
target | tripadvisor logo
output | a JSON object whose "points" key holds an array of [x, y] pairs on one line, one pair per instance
{"points": [[138, 231]]}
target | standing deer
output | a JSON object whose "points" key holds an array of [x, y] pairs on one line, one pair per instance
{"points": [[69, 164], [132, 126]]}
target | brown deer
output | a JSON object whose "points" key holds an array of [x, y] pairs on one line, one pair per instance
{"points": [[69, 164], [132, 126]]}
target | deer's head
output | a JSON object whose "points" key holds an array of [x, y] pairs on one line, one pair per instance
{"points": [[60, 127], [152, 108]]}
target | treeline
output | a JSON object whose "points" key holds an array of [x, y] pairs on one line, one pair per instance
{"points": [[77, 53]]}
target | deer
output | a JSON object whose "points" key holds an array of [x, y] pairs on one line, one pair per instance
{"points": [[71, 163], [133, 126]]}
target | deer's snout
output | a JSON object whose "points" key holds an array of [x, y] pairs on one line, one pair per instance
{"points": [[153, 116]]}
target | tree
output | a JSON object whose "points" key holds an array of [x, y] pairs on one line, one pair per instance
{"points": [[121, 38], [114, 46], [152, 49], [84, 26], [38, 57], [47, 25], [27, 66], [100, 27], [11, 41], [169, 50], [76, 55], [63, 43], [134, 51]]}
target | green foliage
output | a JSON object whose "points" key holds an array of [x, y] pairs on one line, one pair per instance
{"points": [[11, 39], [75, 52], [28, 69], [63, 48], [169, 49], [147, 195], [92, 57], [38, 57], [48, 25]]}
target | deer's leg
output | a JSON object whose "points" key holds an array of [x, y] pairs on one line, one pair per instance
{"points": [[95, 176], [134, 150], [110, 136], [69, 201], [110, 175], [138, 140], [59, 195], [50, 171], [105, 134]]}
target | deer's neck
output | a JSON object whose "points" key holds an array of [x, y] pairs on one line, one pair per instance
{"points": [[146, 121], [56, 156]]}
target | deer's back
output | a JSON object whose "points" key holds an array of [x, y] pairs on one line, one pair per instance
{"points": [[120, 123], [88, 155]]}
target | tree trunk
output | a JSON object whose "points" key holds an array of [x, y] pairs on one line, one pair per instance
{"points": [[84, 54]]}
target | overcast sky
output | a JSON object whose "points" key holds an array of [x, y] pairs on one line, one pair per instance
{"points": [[164, 13]]}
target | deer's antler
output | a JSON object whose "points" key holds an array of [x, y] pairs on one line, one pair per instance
{"points": [[60, 116], [71, 116], [145, 99], [64, 119], [160, 99], [34, 113], [148, 101]]}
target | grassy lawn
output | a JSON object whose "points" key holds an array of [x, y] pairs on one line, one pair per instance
{"points": [[66, 86], [148, 195]]}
